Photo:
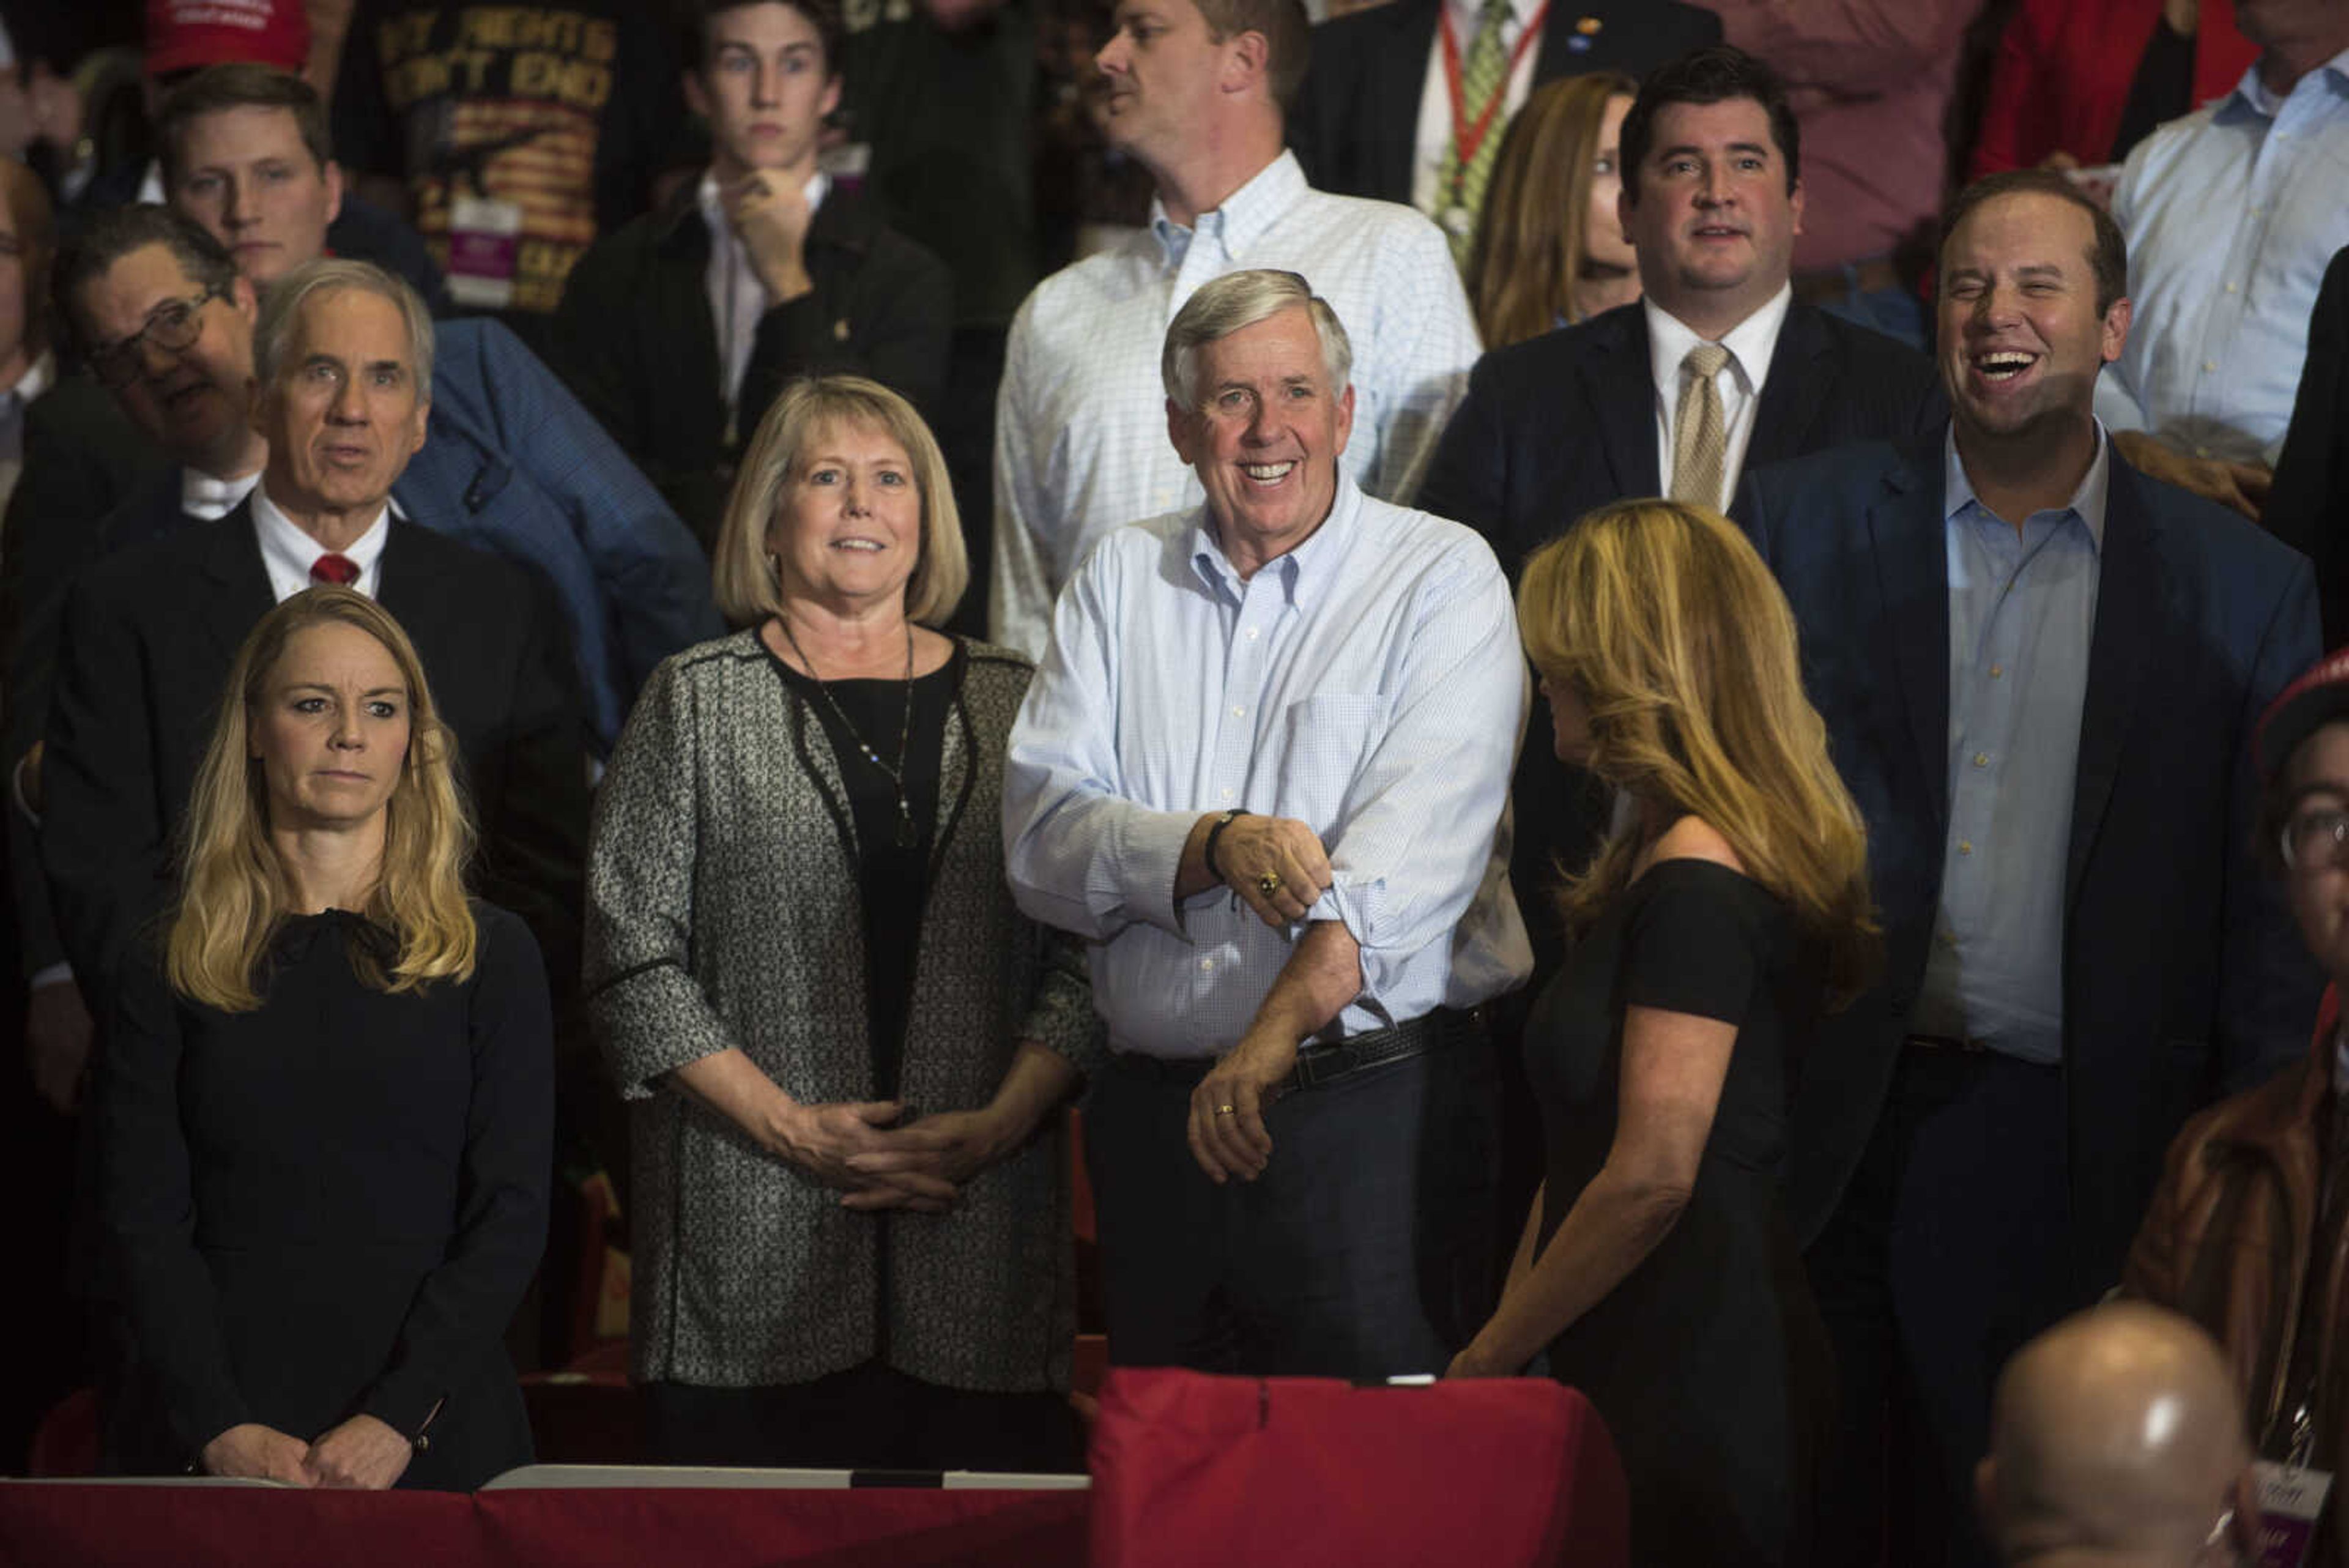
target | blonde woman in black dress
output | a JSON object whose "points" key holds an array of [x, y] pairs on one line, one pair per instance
{"points": [[1657, 1268], [325, 1115]]}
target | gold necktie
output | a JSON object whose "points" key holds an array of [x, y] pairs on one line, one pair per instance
{"points": [[1700, 434]]}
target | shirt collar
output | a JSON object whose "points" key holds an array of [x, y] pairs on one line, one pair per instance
{"points": [[1751, 343], [2253, 94], [38, 376], [283, 543], [1467, 14], [1243, 215], [713, 209], [2087, 502], [202, 495], [1306, 571]]}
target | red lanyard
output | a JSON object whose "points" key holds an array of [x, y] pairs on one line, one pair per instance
{"points": [[1467, 138]]}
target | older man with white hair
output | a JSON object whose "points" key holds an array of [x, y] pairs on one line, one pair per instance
{"points": [[1263, 771]]}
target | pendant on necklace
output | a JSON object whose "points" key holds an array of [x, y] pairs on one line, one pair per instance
{"points": [[908, 834]]}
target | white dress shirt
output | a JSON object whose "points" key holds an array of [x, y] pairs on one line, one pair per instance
{"points": [[1368, 683], [2232, 215], [287, 552], [1434, 138], [202, 495], [1751, 343], [1080, 443], [737, 298]]}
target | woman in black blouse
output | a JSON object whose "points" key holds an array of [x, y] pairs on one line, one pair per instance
{"points": [[324, 1113], [1657, 1268]]}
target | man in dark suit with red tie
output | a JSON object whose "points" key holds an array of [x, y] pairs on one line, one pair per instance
{"points": [[342, 357]]}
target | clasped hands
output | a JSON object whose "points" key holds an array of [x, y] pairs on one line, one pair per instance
{"points": [[855, 1145], [364, 1454]]}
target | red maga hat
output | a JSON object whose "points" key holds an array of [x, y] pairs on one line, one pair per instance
{"points": [[182, 35], [2318, 695]]}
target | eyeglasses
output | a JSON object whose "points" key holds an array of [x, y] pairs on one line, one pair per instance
{"points": [[2317, 840], [173, 326]]}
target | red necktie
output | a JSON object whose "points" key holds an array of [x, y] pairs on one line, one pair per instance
{"points": [[339, 570]]}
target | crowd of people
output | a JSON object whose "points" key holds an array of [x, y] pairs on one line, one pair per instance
{"points": [[1631, 693]]}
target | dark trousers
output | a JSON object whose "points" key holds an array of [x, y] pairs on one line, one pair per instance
{"points": [[1951, 1248], [1362, 1251], [867, 1417]]}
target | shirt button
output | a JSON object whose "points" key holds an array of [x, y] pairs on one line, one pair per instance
{"points": [[1998, 672], [1239, 713], [2208, 366], [2230, 288], [1965, 846], [1981, 759], [1227, 795], [1205, 965], [1252, 632]]}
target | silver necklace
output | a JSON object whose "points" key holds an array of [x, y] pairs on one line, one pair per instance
{"points": [[908, 834]]}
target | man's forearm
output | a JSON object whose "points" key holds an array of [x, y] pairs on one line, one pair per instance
{"points": [[1322, 975]]}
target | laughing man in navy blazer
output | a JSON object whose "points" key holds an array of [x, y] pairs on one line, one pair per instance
{"points": [[2039, 669]]}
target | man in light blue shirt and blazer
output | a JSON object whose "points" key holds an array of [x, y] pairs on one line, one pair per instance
{"points": [[2040, 669], [1263, 771]]}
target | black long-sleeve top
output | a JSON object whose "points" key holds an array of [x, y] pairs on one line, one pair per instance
{"points": [[331, 1205]]}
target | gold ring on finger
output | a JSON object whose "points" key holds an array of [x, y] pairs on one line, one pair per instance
{"points": [[1226, 1110], [1268, 883]]}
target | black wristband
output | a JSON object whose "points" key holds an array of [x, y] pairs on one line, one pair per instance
{"points": [[1207, 852]]}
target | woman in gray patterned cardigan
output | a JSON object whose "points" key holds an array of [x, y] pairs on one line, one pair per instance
{"points": [[844, 1046]]}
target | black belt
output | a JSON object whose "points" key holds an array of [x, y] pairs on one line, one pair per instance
{"points": [[1319, 1065], [1968, 1048]]}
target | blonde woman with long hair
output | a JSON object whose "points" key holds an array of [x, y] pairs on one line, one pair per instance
{"points": [[1657, 1268], [325, 1106], [1550, 250]]}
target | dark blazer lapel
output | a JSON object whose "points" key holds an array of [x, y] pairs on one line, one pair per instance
{"points": [[1913, 573], [240, 592], [1801, 381], [679, 308], [1621, 390], [1391, 87], [2128, 611]]}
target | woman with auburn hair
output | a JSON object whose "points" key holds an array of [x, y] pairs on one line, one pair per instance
{"points": [[326, 1113], [1550, 250], [1657, 1267], [844, 1047]]}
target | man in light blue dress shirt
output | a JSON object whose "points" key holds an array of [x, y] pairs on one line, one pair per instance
{"points": [[2231, 214], [1263, 771], [2039, 669]]}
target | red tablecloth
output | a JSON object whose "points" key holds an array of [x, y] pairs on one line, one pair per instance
{"points": [[97, 1526]]}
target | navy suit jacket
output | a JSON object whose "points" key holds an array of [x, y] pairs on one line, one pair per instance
{"points": [[1561, 423], [2183, 978], [1356, 112]]}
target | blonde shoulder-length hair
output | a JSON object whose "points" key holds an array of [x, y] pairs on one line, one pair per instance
{"points": [[745, 584], [1530, 234], [1663, 619], [234, 892]]}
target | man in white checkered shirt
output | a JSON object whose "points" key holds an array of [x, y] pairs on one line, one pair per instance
{"points": [[1196, 96], [1262, 771]]}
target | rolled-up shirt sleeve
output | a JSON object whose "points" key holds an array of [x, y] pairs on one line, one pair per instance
{"points": [[1078, 856], [1415, 843]]}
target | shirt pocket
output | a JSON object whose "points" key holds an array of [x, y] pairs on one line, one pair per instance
{"points": [[1324, 739]]}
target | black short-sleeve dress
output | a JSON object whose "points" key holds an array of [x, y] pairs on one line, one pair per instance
{"points": [[1709, 1361]]}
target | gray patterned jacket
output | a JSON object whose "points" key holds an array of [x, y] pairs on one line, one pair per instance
{"points": [[723, 912]]}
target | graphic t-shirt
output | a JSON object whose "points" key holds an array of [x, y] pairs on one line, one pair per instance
{"points": [[523, 131]]}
